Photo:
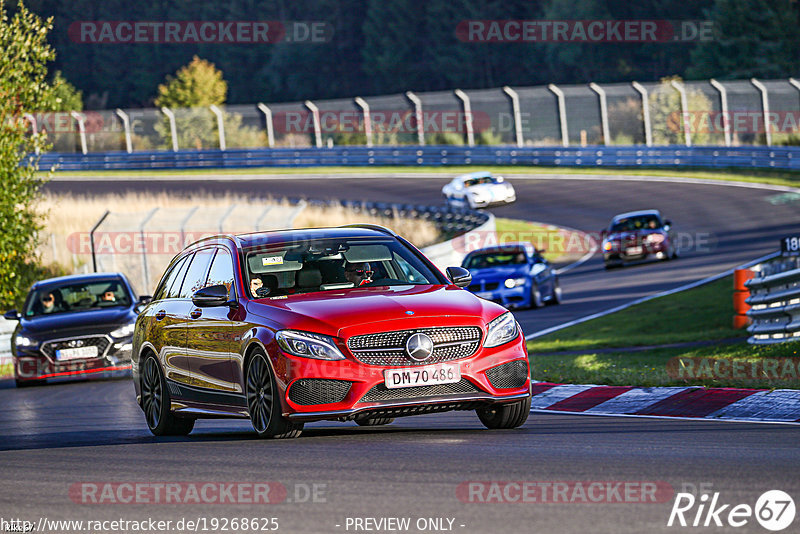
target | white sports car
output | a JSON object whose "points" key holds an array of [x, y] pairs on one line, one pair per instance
{"points": [[478, 190]]}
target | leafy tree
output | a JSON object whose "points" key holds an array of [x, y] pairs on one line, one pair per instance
{"points": [[63, 96], [666, 117], [23, 89]]}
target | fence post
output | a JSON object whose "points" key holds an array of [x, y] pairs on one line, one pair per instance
{"points": [[126, 125], [81, 129], [221, 222], [173, 129], [723, 100], [648, 129], [512, 94], [603, 112], [360, 102], [260, 218], [220, 125], [34, 127], [562, 113], [268, 117], [418, 114], [91, 238], [467, 107], [687, 134], [317, 126], [764, 108], [145, 269], [182, 225]]}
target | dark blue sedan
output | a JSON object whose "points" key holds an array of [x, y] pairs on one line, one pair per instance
{"points": [[74, 326], [515, 275]]}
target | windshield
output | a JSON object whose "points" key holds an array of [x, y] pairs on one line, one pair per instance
{"points": [[641, 222], [332, 264], [495, 259], [478, 181], [68, 298]]}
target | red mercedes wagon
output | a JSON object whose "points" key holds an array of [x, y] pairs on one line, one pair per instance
{"points": [[342, 324]]}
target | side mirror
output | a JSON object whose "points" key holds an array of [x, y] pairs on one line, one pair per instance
{"points": [[211, 296], [667, 224], [145, 299], [11, 315], [459, 276]]}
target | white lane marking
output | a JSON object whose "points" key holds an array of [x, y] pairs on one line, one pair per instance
{"points": [[621, 307], [636, 400], [556, 394], [777, 405]]}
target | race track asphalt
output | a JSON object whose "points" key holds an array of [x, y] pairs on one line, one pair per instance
{"points": [[56, 436]]}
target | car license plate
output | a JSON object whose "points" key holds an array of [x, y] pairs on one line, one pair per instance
{"points": [[77, 353], [422, 376], [633, 251]]}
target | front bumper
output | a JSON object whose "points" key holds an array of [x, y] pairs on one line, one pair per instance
{"points": [[635, 252], [517, 297], [34, 364], [364, 393]]}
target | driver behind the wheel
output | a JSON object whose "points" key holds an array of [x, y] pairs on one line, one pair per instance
{"points": [[358, 273]]}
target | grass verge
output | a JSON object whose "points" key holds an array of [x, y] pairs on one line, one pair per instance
{"points": [[765, 176], [560, 245], [703, 314]]}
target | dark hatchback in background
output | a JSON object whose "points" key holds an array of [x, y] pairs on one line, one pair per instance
{"points": [[514, 275], [637, 235], [74, 326]]}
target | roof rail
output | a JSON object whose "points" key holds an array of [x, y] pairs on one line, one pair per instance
{"points": [[376, 227]]}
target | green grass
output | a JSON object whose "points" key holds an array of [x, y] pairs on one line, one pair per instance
{"points": [[542, 236], [6, 370], [650, 368], [700, 314], [703, 313], [790, 178]]}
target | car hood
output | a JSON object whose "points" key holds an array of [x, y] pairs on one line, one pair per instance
{"points": [[353, 311], [503, 272], [102, 319]]}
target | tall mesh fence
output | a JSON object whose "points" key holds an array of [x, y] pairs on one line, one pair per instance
{"points": [[393, 119]]}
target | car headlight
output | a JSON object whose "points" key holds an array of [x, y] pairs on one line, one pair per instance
{"points": [[655, 238], [23, 341], [608, 245], [511, 283], [124, 331], [501, 330], [308, 345]]}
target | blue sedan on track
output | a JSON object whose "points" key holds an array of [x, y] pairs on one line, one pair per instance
{"points": [[515, 275]]}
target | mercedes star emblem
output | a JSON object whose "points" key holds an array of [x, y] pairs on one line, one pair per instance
{"points": [[419, 347]]}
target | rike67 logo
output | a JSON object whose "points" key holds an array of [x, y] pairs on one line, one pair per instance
{"points": [[774, 510]]}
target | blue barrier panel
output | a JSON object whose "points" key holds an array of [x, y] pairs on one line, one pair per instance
{"points": [[784, 158]]}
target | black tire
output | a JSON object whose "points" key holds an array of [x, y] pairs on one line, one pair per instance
{"points": [[536, 297], [501, 416], [156, 402], [263, 404], [374, 421], [557, 297]]}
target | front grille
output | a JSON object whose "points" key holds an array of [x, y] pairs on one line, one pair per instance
{"points": [[382, 393], [483, 286], [49, 348], [388, 348], [509, 375], [308, 391]]}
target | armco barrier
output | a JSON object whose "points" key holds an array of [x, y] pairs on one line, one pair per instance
{"points": [[784, 158], [775, 308]]}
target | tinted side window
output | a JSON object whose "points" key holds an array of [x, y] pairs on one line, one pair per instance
{"points": [[168, 279], [221, 270], [174, 289], [196, 275]]}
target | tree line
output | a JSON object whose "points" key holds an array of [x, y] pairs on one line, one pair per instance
{"points": [[375, 47]]}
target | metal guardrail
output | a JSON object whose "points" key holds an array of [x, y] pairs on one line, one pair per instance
{"points": [[775, 308], [784, 158]]}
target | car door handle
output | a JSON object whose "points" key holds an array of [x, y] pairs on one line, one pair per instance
{"points": [[196, 314], [160, 314]]}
